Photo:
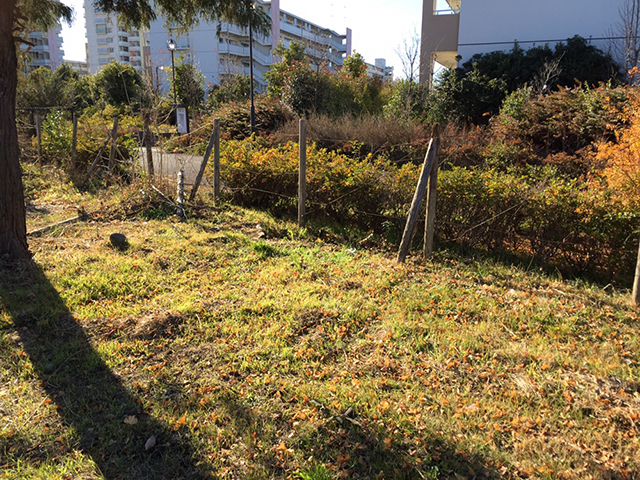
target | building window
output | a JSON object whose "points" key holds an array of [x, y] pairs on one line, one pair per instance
{"points": [[101, 29]]}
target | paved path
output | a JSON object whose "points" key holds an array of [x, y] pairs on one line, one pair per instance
{"points": [[170, 163]]}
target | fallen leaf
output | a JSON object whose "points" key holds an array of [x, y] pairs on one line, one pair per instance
{"points": [[151, 442], [131, 420], [181, 420]]}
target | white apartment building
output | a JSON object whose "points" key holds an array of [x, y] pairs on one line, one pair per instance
{"points": [[214, 57], [454, 30], [106, 41], [380, 69], [46, 51]]}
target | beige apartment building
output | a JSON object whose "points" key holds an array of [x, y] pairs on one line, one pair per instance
{"points": [[454, 30]]}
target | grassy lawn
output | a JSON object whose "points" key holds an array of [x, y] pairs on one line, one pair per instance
{"points": [[233, 345]]}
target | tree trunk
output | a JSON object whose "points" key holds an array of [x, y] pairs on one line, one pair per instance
{"points": [[13, 228]]}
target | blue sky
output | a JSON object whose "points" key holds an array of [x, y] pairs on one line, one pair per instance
{"points": [[379, 26]]}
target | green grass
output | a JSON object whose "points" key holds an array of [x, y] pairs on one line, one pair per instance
{"points": [[264, 352]]}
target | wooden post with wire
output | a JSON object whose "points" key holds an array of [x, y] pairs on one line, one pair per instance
{"points": [[635, 297], [148, 143], [302, 174], [112, 152], [432, 193], [180, 195], [39, 136], [216, 161], [74, 141], [414, 211], [214, 139]]}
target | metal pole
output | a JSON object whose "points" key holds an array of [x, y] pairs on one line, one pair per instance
{"points": [[252, 115], [173, 73]]}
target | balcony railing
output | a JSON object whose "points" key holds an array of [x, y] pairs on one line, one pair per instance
{"points": [[243, 52], [448, 11]]}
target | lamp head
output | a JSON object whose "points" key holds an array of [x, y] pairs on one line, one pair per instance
{"points": [[171, 45]]}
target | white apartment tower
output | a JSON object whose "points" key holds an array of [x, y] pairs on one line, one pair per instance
{"points": [[216, 56], [454, 30], [106, 41], [46, 51]]}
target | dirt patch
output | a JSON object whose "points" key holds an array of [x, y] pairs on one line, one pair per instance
{"points": [[155, 325]]}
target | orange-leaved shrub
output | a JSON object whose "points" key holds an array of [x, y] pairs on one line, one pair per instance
{"points": [[621, 157]]}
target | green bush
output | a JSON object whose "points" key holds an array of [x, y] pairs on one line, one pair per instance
{"points": [[92, 132], [56, 137]]}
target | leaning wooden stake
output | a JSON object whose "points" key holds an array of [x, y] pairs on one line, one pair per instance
{"points": [[430, 221], [412, 218], [302, 175], [216, 161], [180, 194], [112, 153], [212, 141], [95, 161], [636, 283]]}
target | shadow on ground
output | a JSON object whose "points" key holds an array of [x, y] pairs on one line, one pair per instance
{"points": [[89, 397]]}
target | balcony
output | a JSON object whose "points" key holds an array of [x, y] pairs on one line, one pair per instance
{"points": [[238, 51], [241, 32]]}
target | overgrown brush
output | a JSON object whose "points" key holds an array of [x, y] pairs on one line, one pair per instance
{"points": [[359, 136], [538, 214]]}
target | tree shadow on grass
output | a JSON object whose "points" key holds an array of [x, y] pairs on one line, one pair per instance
{"points": [[89, 398]]}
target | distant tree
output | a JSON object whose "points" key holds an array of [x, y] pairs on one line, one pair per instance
{"points": [[409, 54], [233, 88], [470, 97], [475, 91], [121, 85], [626, 48], [189, 85], [292, 79], [407, 99], [63, 88], [355, 65]]}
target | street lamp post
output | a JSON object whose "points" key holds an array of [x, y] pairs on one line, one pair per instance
{"points": [[171, 45]]}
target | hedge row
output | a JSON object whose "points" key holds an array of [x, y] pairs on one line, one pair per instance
{"points": [[538, 214]]}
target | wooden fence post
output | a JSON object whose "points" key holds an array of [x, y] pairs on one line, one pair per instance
{"points": [[74, 141], [216, 161], [112, 153], [146, 132], [205, 159], [180, 194], [39, 136], [636, 283], [302, 174], [430, 220], [412, 218]]}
